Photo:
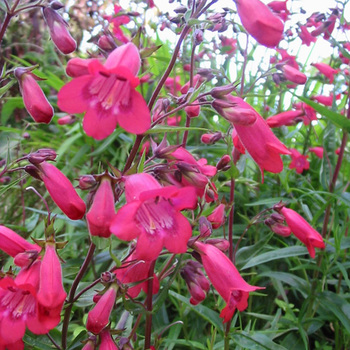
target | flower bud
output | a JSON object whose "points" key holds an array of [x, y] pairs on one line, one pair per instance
{"points": [[34, 99], [198, 36], [106, 43], [210, 139], [67, 120], [26, 258], [278, 228], [222, 91], [87, 182], [236, 115], [223, 163], [217, 217], [205, 227], [56, 5], [294, 75], [193, 111], [76, 67], [220, 243], [59, 32], [32, 171], [41, 155]]}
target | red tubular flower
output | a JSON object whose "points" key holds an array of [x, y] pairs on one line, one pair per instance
{"points": [[51, 293], [12, 243], [217, 217], [98, 317], [294, 75], [326, 100], [305, 36], [260, 22], [107, 94], [19, 308], [152, 214], [326, 70], [58, 31], [102, 210], [299, 162], [107, 343], [285, 118], [318, 151], [303, 230], [134, 273], [34, 99], [62, 191], [258, 139], [76, 67], [226, 279]]}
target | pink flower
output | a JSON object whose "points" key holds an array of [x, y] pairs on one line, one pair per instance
{"points": [[107, 94], [229, 44], [58, 31], [134, 272], [299, 162], [107, 343], [293, 74], [258, 139], [305, 36], [34, 99], [326, 70], [318, 151], [51, 293], [285, 118], [102, 210], [76, 67], [19, 308], [12, 243], [225, 278], [278, 6], [152, 214], [217, 217], [98, 317], [260, 22], [326, 100], [62, 191], [303, 231]]}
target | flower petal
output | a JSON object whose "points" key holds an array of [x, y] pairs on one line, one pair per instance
{"points": [[148, 246], [123, 225], [72, 97], [138, 183], [135, 118], [99, 124]]}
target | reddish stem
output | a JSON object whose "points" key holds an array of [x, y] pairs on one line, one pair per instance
{"points": [[149, 306]]}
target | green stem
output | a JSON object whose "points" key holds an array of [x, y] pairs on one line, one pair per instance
{"points": [[74, 287], [149, 306]]}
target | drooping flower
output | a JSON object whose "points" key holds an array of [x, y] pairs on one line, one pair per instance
{"points": [[107, 94], [107, 342], [136, 273], [285, 118], [102, 210], [34, 99], [19, 308], [98, 317], [293, 74], [259, 140], [318, 151], [303, 230], [225, 278], [217, 217], [152, 214], [62, 191], [51, 293], [12, 243], [326, 100], [59, 31], [260, 22], [299, 162], [326, 70], [305, 36]]}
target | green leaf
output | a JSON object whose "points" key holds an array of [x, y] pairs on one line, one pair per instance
{"points": [[275, 255], [336, 118], [256, 341], [148, 51], [208, 314], [4, 88], [9, 106]]}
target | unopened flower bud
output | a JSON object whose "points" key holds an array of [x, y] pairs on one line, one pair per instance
{"points": [[26, 258], [41, 155], [222, 91], [180, 9], [294, 75], [223, 163], [193, 111], [26, 135], [67, 120], [198, 36], [236, 115], [105, 42], [59, 32], [5, 180], [210, 139], [205, 227], [220, 243], [277, 217], [217, 217], [32, 171], [86, 182], [56, 5], [278, 228]]}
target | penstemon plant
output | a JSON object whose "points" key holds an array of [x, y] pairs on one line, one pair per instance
{"points": [[210, 208]]}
